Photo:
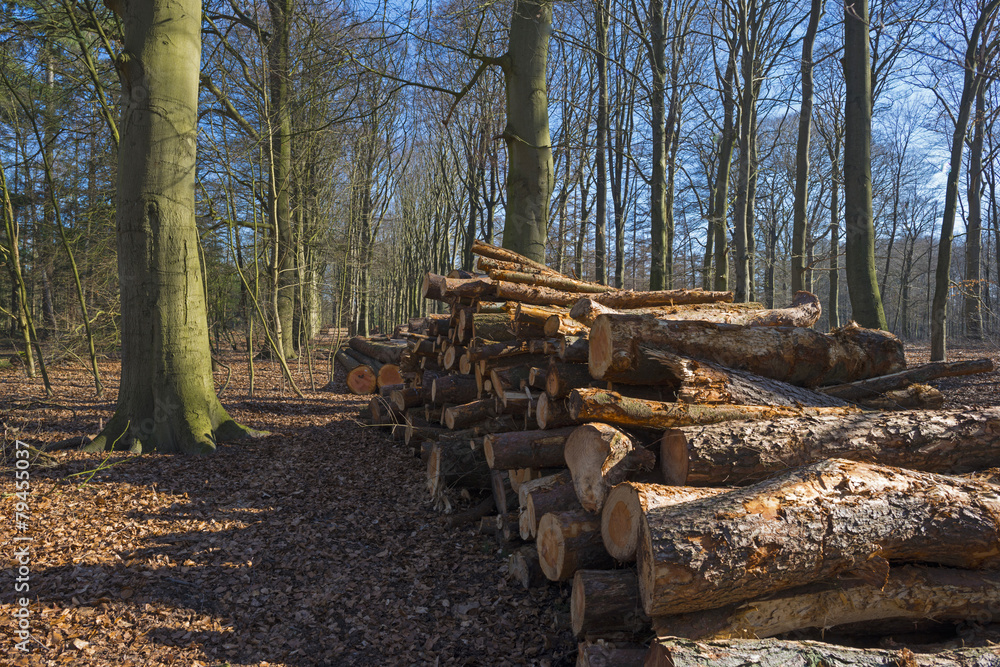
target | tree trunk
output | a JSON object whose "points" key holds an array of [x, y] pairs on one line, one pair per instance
{"points": [[529, 149], [909, 592], [800, 231], [810, 524], [538, 497], [672, 652], [524, 568], [871, 388], [862, 281], [600, 456], [462, 416], [603, 654], [551, 413], [973, 293], [625, 507], [570, 541], [166, 400], [743, 453], [606, 602], [795, 355], [456, 389], [558, 282]]}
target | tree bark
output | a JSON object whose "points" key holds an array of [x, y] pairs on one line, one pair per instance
{"points": [[910, 592], [613, 408], [626, 506], [600, 456], [570, 541], [672, 652], [514, 261], [538, 497], [524, 568], [462, 416], [606, 602], [552, 413], [558, 282], [440, 288], [455, 389], [795, 355], [952, 442], [526, 449], [166, 400], [810, 524], [804, 312]]}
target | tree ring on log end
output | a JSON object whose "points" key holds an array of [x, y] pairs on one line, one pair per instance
{"points": [[601, 347]]}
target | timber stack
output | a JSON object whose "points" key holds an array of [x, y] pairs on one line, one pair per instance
{"points": [[697, 469]]}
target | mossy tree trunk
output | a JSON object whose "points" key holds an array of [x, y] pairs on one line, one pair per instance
{"points": [[166, 400], [530, 173]]}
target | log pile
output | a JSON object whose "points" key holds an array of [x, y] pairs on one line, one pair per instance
{"points": [[696, 469]]}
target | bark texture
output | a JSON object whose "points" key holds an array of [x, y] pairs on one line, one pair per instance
{"points": [[600, 456], [570, 541], [810, 524], [803, 312]]}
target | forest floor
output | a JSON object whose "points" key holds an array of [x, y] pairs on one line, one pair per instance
{"points": [[315, 545]]}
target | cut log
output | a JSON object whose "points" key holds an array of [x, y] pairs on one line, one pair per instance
{"points": [[873, 387], [809, 524], [526, 449], [504, 255], [553, 413], [562, 378], [360, 378], [530, 321], [606, 602], [613, 408], [457, 389], [574, 350], [388, 352], [803, 312], [677, 297], [465, 415], [600, 456], [504, 497], [524, 568], [441, 288], [622, 517], [554, 493], [452, 464], [914, 396], [564, 325], [952, 441], [800, 356], [910, 592], [406, 397], [570, 541], [603, 654], [673, 652], [514, 402], [556, 282]]}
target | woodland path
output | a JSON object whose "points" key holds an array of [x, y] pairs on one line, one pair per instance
{"points": [[313, 546]]}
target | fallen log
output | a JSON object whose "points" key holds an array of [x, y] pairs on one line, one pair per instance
{"points": [[598, 457], [909, 592], [799, 356], [526, 449], [873, 387], [737, 453], [388, 352], [440, 288], [803, 312], [622, 517], [674, 652], [385, 374], [613, 408], [570, 541], [553, 493], [809, 524], [556, 282], [530, 321], [606, 602], [360, 378]]}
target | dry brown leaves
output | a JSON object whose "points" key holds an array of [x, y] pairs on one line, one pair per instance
{"points": [[313, 546]]}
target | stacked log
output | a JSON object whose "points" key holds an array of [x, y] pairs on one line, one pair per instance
{"points": [[697, 468]]}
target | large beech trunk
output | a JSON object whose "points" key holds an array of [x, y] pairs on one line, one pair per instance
{"points": [[613, 408], [546, 296], [915, 593], [523, 263], [873, 387], [622, 517], [561, 378], [570, 541], [796, 355], [552, 413], [810, 524], [804, 312], [557, 282], [606, 602], [600, 456], [526, 449], [465, 415], [673, 652], [524, 568], [735, 453]]}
